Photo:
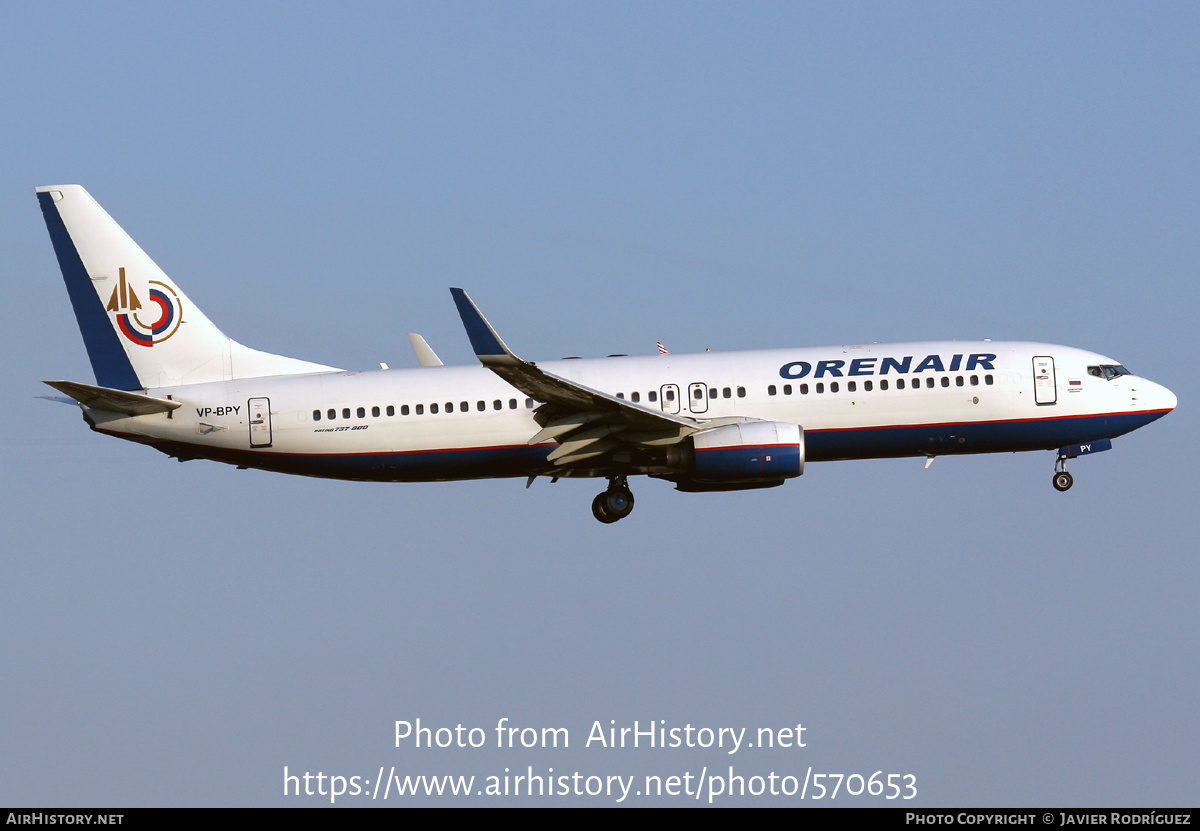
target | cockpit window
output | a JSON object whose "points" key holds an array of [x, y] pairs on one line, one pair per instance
{"points": [[1108, 371]]}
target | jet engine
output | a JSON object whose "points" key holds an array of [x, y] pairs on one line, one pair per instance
{"points": [[752, 454]]}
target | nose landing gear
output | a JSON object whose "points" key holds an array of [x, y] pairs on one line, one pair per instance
{"points": [[1062, 480], [615, 503]]}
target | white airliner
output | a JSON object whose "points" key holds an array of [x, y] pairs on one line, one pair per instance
{"points": [[168, 378]]}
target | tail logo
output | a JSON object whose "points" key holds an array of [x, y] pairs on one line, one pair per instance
{"points": [[163, 300]]}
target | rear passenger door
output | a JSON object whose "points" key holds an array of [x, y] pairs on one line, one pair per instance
{"points": [[260, 422]]}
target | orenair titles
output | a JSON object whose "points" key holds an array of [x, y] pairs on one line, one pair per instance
{"points": [[883, 366]]}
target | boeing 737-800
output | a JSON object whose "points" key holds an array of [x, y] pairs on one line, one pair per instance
{"points": [[168, 378]]}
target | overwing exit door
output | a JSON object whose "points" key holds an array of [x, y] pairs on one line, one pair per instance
{"points": [[668, 396]]}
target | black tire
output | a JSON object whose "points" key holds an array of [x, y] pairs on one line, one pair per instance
{"points": [[600, 509], [1063, 481]]}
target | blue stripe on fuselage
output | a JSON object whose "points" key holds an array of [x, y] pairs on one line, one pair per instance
{"points": [[407, 466], [969, 437]]}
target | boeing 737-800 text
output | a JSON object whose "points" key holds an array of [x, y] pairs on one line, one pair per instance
{"points": [[168, 378]]}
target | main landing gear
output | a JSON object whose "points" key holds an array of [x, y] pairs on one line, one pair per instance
{"points": [[1062, 480], [615, 503]]}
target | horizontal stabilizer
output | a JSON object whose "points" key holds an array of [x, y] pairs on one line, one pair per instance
{"points": [[425, 354], [114, 401]]}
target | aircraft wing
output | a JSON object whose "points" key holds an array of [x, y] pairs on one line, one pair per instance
{"points": [[114, 401], [585, 422]]}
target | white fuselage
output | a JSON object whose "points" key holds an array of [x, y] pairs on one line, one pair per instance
{"points": [[868, 401]]}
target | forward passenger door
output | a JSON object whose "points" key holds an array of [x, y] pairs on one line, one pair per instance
{"points": [[1045, 386]]}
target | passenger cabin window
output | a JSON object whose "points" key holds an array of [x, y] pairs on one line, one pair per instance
{"points": [[652, 396], [741, 392], [362, 412], [852, 386], [635, 397], [787, 389], [316, 415], [375, 412], [771, 389]]}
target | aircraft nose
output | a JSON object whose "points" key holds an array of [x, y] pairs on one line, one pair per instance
{"points": [[1160, 398]]}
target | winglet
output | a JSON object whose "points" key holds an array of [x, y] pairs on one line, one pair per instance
{"points": [[488, 347]]}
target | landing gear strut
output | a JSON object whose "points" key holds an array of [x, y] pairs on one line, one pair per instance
{"points": [[1062, 480], [615, 503]]}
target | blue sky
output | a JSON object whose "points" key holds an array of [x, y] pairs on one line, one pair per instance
{"points": [[599, 177]]}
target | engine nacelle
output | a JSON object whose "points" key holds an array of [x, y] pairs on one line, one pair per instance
{"points": [[753, 451]]}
